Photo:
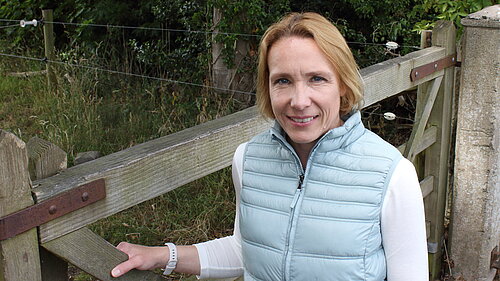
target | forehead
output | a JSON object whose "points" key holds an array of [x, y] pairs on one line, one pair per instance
{"points": [[291, 54]]}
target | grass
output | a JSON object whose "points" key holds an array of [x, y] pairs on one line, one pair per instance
{"points": [[93, 111]]}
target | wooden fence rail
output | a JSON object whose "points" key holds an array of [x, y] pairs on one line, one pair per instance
{"points": [[153, 168]]}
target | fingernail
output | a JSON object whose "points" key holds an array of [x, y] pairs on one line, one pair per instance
{"points": [[115, 272]]}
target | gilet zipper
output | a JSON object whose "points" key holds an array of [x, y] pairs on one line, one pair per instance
{"points": [[298, 193]]}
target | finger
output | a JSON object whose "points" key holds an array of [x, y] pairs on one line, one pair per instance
{"points": [[123, 246], [124, 267]]}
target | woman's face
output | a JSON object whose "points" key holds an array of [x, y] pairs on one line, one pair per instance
{"points": [[304, 90]]}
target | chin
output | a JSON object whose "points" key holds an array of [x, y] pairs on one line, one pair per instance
{"points": [[299, 140]]}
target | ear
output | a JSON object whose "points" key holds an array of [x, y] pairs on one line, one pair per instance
{"points": [[342, 89]]}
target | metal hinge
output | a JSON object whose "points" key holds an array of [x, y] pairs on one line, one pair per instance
{"points": [[427, 69], [64, 203]]}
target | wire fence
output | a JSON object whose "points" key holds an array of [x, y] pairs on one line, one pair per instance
{"points": [[45, 60], [21, 23], [7, 26], [389, 44]]}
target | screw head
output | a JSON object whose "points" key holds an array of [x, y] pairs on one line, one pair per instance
{"points": [[52, 209], [85, 196]]}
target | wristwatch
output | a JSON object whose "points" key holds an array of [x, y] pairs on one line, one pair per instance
{"points": [[172, 261]]}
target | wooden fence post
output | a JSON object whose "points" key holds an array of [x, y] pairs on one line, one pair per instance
{"points": [[45, 160], [437, 157], [434, 111], [19, 257], [50, 54], [475, 221]]}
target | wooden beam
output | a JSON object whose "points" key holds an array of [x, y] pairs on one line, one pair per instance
{"points": [[94, 255], [150, 169], [19, 256], [427, 185], [428, 138], [46, 159], [49, 43], [421, 120], [391, 77], [437, 157]]}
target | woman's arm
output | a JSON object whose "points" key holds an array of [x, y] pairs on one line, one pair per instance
{"points": [[222, 258], [147, 258], [403, 226], [218, 258]]}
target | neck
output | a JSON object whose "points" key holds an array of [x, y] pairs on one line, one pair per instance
{"points": [[303, 150]]}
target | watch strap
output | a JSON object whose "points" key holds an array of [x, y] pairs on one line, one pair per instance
{"points": [[172, 261]]}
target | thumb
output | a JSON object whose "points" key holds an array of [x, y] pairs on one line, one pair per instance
{"points": [[123, 268]]}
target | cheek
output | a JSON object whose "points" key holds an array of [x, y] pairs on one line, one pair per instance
{"points": [[276, 101]]}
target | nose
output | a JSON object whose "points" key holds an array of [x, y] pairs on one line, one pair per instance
{"points": [[300, 97]]}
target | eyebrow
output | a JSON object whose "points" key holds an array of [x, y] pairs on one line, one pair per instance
{"points": [[328, 74]]}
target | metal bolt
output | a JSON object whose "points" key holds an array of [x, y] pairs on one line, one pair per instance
{"points": [[435, 65], [52, 209], [416, 73], [85, 196]]}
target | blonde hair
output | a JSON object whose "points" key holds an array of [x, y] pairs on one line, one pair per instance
{"points": [[329, 40]]}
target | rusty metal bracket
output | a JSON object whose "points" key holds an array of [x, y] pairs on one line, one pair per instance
{"points": [[427, 69], [495, 258], [64, 203]]}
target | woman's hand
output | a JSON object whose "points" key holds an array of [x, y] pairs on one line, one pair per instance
{"points": [[140, 257]]}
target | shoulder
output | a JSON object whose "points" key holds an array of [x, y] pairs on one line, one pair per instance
{"points": [[370, 144], [263, 137]]}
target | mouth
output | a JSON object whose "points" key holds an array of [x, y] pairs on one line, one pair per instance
{"points": [[302, 120]]}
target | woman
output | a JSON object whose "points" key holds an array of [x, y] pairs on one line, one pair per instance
{"points": [[319, 197]]}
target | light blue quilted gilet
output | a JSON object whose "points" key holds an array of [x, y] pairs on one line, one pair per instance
{"points": [[329, 228]]}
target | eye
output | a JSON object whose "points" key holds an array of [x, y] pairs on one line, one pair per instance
{"points": [[282, 81], [317, 79]]}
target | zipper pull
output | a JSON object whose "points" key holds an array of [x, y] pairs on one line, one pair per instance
{"points": [[297, 192], [301, 180]]}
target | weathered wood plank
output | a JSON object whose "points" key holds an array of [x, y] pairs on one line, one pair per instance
{"points": [[94, 255], [147, 170], [46, 159], [19, 257], [391, 77], [437, 157], [427, 185], [428, 138], [421, 119]]}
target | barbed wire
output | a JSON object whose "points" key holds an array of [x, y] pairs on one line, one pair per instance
{"points": [[128, 74]]}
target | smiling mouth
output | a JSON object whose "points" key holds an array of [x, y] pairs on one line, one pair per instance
{"points": [[302, 120]]}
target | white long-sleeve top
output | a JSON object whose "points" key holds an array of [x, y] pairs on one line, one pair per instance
{"points": [[402, 224]]}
